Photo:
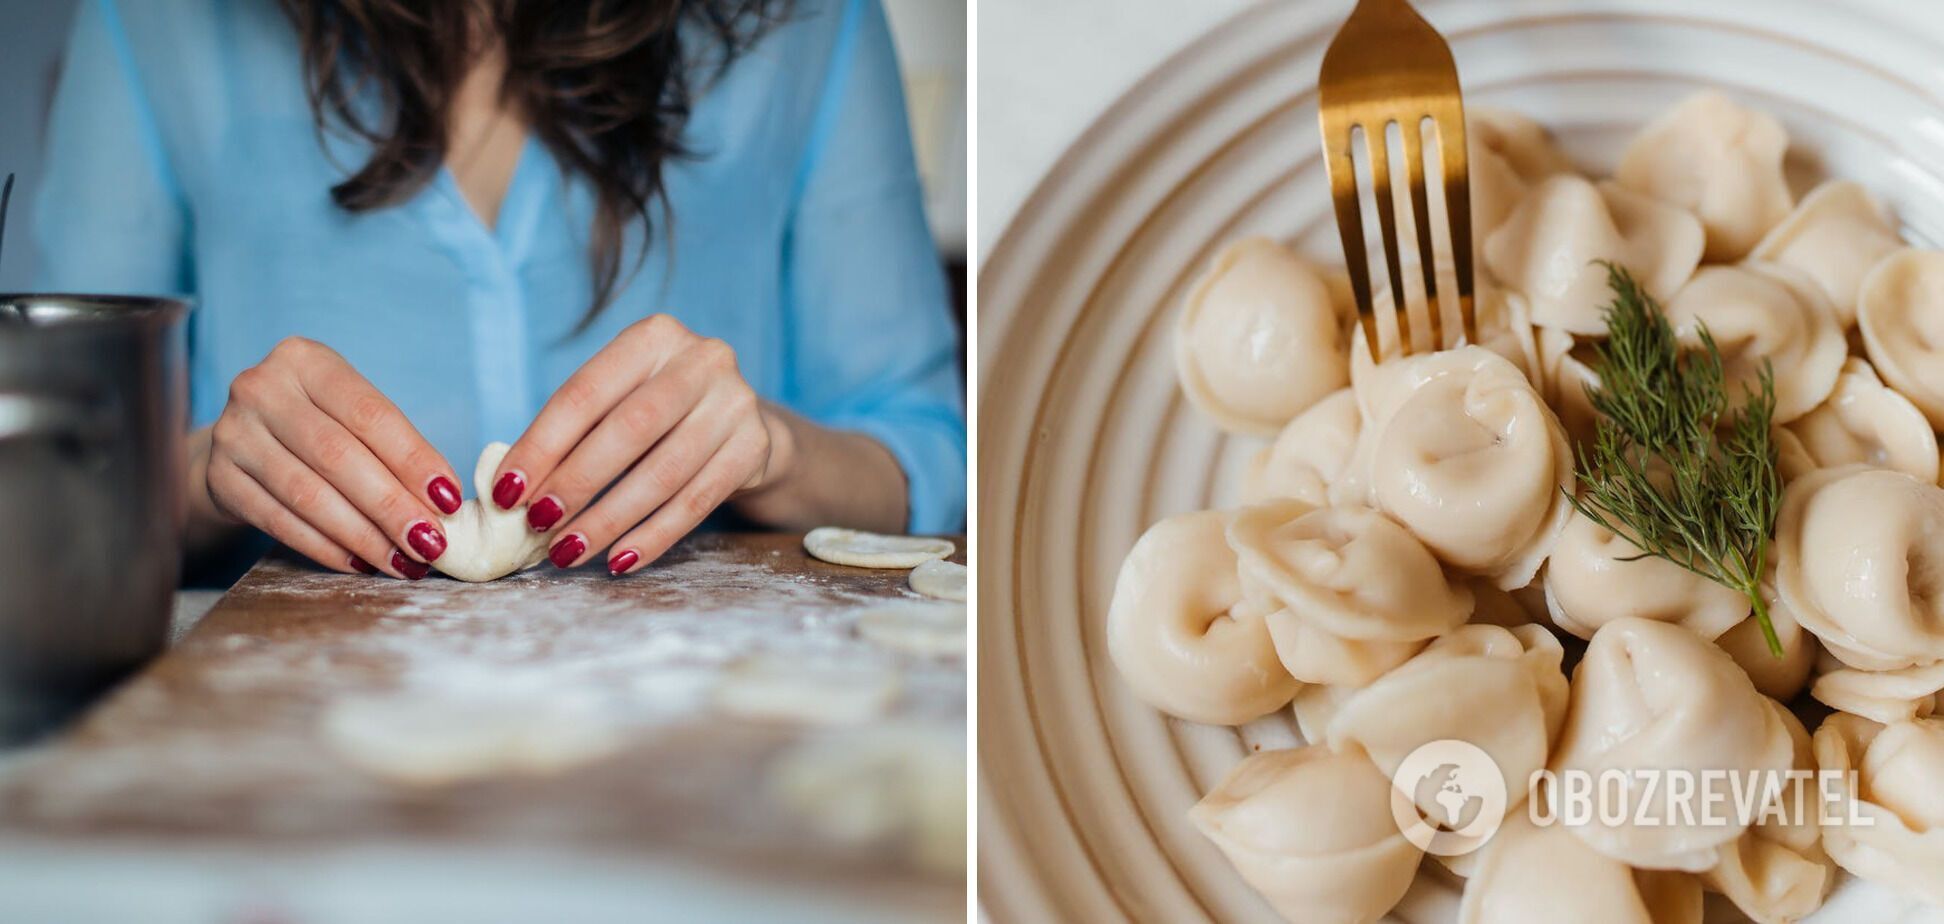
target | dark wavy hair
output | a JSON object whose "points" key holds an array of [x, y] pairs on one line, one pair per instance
{"points": [[606, 85]]}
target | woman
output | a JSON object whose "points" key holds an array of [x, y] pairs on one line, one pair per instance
{"points": [[676, 246]]}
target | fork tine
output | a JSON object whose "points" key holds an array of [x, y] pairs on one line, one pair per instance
{"points": [[1421, 217], [1457, 197], [1378, 145], [1349, 214]]}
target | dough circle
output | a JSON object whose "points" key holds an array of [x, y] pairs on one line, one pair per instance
{"points": [[777, 688], [429, 741], [939, 578], [871, 550], [483, 542], [922, 628]]}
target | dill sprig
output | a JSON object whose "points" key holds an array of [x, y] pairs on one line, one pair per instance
{"points": [[1673, 466]]}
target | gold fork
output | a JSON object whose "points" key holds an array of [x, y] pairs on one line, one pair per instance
{"points": [[1387, 65]]}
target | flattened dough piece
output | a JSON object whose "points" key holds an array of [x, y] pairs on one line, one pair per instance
{"points": [[483, 542], [920, 627], [872, 550], [904, 782], [940, 578], [772, 687], [428, 741]]}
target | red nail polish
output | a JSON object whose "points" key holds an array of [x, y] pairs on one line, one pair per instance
{"points": [[507, 491], [411, 569], [619, 564], [566, 550], [426, 540], [361, 566], [444, 494], [544, 513]]}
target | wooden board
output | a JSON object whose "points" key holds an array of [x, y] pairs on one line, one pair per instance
{"points": [[228, 737]]}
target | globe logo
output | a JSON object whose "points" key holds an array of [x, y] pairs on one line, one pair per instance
{"points": [[1448, 797]]}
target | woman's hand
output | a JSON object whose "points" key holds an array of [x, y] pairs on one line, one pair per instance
{"points": [[662, 420], [311, 453]]}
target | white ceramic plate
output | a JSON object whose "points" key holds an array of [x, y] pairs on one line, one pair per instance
{"points": [[1085, 439]]}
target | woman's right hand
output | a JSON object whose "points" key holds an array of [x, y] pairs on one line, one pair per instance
{"points": [[311, 453]]}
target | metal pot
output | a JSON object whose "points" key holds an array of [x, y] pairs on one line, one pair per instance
{"points": [[93, 409]]}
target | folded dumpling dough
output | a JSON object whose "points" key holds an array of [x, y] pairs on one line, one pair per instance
{"points": [[1532, 874], [1653, 695], [1312, 831], [1719, 160], [1900, 309], [1762, 312], [1863, 422], [1547, 249], [1459, 448], [1353, 594], [1308, 454], [1859, 560], [483, 542], [1778, 872], [1595, 576], [1259, 339], [1779, 678], [1179, 635], [1837, 235], [1882, 696], [1896, 789], [1508, 152], [1501, 315]]}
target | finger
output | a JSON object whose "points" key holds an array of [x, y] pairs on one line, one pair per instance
{"points": [[669, 406], [705, 492], [337, 389], [242, 497], [325, 448], [312, 498], [584, 400], [673, 463]]}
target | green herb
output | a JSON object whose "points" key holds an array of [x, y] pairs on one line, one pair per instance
{"points": [[1672, 466]]}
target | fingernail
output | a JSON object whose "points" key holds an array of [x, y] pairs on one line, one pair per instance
{"points": [[444, 494], [507, 491], [544, 513], [619, 564], [411, 569], [426, 540], [361, 566], [566, 550]]}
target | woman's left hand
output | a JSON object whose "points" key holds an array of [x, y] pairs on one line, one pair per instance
{"points": [[662, 420]]}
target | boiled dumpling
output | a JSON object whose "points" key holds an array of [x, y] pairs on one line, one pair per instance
{"points": [[1778, 872], [1353, 593], [1529, 874], [1568, 373], [1259, 339], [1718, 160], [1837, 235], [1508, 152], [1779, 678], [1595, 576], [1895, 791], [1900, 309], [1882, 696], [1758, 312], [1859, 557], [1178, 635], [1653, 695], [1308, 454], [1459, 448], [1547, 249], [1312, 831], [1504, 327], [1864, 422]]}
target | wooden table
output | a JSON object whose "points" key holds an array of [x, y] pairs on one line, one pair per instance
{"points": [[217, 746]]}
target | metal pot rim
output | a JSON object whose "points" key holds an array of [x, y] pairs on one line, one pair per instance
{"points": [[38, 310]]}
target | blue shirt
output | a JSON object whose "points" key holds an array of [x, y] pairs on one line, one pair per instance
{"points": [[183, 158]]}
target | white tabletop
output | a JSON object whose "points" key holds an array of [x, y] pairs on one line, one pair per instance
{"points": [[1048, 68]]}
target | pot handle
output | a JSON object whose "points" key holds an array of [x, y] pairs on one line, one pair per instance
{"points": [[35, 416]]}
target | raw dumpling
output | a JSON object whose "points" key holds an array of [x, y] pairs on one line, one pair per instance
{"points": [[1508, 152], [1718, 160], [483, 542], [1901, 311], [1897, 768], [1762, 312], [1528, 874], [1778, 872], [1882, 696], [1595, 576], [1653, 695], [1312, 831], [1548, 247], [1859, 556], [1863, 422], [1353, 593], [1459, 448], [1500, 690], [1836, 236], [1779, 678], [1308, 455], [1259, 339], [1177, 634]]}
